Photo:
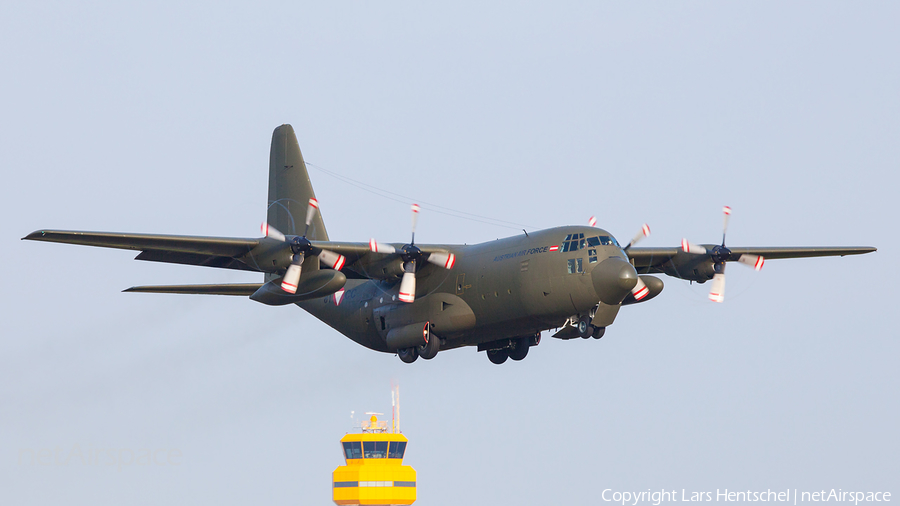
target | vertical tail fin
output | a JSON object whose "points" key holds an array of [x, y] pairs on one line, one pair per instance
{"points": [[289, 187]]}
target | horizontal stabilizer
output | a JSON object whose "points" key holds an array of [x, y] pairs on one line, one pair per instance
{"points": [[244, 289]]}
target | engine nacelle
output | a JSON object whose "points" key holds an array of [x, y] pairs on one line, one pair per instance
{"points": [[683, 265], [408, 336]]}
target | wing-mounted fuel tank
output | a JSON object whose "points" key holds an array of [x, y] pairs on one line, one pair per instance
{"points": [[313, 284], [447, 314]]}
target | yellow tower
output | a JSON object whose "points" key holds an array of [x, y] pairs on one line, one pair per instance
{"points": [[374, 473]]}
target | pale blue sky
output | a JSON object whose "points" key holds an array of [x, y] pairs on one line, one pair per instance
{"points": [[157, 117]]}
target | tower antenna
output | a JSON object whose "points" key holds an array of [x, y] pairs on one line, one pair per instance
{"points": [[395, 407]]}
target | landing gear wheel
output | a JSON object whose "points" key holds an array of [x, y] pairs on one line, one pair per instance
{"points": [[584, 327], [498, 356], [430, 349], [408, 355], [598, 332], [521, 349]]}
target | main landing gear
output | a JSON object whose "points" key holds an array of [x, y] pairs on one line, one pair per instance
{"points": [[515, 348], [428, 351], [586, 330]]}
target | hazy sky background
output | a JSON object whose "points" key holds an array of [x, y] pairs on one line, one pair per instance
{"points": [[157, 117]]}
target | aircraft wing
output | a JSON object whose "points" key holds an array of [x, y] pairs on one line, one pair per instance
{"points": [[220, 252], [650, 257], [244, 289]]}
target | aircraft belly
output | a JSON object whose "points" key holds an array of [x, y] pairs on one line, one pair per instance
{"points": [[351, 314]]}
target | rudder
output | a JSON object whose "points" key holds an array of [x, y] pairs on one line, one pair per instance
{"points": [[290, 188]]}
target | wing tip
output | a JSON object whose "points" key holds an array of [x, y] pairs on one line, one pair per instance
{"points": [[37, 235]]}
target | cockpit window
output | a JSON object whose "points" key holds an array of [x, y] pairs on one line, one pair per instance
{"points": [[375, 449], [353, 450], [573, 242], [397, 449], [602, 240]]}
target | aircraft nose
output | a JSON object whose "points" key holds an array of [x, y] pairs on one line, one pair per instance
{"points": [[613, 280]]}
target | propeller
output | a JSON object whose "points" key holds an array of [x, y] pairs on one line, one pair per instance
{"points": [[640, 290], [300, 246], [410, 255], [719, 255]]}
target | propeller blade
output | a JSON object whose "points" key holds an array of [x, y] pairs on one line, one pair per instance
{"points": [[408, 287], [689, 247], [445, 260], [415, 218], [640, 290], [271, 232], [332, 260], [310, 212], [378, 247], [726, 211], [645, 232], [754, 261], [717, 292], [592, 222], [292, 276]]}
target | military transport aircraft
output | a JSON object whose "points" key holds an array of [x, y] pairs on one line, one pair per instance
{"points": [[415, 299]]}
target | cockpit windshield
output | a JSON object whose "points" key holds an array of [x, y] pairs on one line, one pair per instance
{"points": [[575, 242], [602, 240]]}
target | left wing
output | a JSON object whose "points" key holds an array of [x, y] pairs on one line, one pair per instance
{"points": [[675, 262]]}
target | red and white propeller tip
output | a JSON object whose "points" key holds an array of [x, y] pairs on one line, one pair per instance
{"points": [[408, 287], [271, 232], [689, 247], [717, 292], [592, 222], [311, 211], [445, 260], [645, 232], [378, 247], [754, 261], [292, 276], [640, 290]]}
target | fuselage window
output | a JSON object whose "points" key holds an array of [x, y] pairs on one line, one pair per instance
{"points": [[398, 448], [375, 449], [592, 256], [353, 450], [574, 265]]}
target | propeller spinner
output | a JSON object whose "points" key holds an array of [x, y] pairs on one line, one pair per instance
{"points": [[411, 255], [719, 255], [300, 246]]}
